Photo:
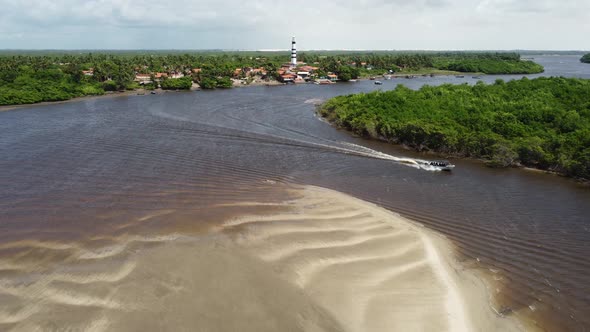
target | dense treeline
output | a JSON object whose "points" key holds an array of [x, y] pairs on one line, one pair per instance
{"points": [[489, 66], [585, 58], [36, 77], [183, 83], [487, 63], [27, 85], [468, 62], [542, 123]]}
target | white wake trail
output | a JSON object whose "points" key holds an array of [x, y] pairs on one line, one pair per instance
{"points": [[412, 162]]}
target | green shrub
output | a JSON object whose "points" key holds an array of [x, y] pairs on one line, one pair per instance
{"points": [[183, 83], [543, 123]]}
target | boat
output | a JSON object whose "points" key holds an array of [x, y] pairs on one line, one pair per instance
{"points": [[459, 76], [443, 165], [372, 78], [153, 92], [476, 77], [323, 81], [378, 82]]}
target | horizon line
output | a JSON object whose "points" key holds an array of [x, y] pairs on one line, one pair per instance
{"points": [[289, 50]]}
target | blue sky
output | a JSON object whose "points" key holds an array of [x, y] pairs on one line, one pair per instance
{"points": [[268, 24]]}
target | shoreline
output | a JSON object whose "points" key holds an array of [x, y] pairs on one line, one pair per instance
{"points": [[581, 181], [235, 85], [464, 296], [46, 103], [323, 261], [136, 92]]}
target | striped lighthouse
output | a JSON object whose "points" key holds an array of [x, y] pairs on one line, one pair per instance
{"points": [[293, 53]]}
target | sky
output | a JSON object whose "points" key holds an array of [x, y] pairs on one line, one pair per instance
{"points": [[269, 24]]}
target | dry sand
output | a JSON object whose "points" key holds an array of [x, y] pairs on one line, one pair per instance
{"points": [[329, 263]]}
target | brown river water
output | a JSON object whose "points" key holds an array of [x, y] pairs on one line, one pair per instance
{"points": [[73, 170]]}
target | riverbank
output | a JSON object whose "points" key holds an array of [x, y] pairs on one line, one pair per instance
{"points": [[131, 93], [136, 92], [236, 84], [417, 72], [106, 95], [241, 84], [505, 123], [324, 261]]}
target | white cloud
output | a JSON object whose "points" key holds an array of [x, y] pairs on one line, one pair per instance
{"points": [[350, 24]]}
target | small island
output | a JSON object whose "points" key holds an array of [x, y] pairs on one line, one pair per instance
{"points": [[542, 123], [45, 76], [585, 58]]}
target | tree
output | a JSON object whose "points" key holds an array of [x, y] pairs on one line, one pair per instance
{"points": [[183, 83], [344, 73], [123, 75]]}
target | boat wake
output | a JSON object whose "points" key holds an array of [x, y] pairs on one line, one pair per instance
{"points": [[411, 162], [282, 136]]}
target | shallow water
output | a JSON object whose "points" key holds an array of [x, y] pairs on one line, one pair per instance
{"points": [[74, 170]]}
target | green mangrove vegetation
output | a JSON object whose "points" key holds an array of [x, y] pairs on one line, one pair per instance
{"points": [[585, 58], [183, 83], [35, 76], [487, 63], [542, 123]]}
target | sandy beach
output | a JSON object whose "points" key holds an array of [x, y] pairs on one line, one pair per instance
{"points": [[327, 262]]}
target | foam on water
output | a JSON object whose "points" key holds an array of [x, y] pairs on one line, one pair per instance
{"points": [[411, 162]]}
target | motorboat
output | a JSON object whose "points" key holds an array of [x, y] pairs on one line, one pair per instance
{"points": [[378, 82], [324, 81], [443, 165]]}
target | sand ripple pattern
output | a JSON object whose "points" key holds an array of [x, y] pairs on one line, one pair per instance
{"points": [[324, 262], [369, 268], [44, 280]]}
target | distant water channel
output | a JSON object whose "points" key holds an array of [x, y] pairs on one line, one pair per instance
{"points": [[66, 169]]}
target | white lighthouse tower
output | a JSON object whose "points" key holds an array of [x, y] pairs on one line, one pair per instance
{"points": [[293, 53]]}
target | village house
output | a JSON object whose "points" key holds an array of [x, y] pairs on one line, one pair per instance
{"points": [[287, 78], [309, 69], [303, 74], [333, 77], [257, 71], [175, 74], [160, 76], [143, 79], [89, 72]]}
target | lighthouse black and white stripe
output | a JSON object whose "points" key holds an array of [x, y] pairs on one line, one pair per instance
{"points": [[293, 53]]}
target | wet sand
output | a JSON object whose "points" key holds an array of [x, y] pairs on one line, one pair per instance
{"points": [[328, 262]]}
